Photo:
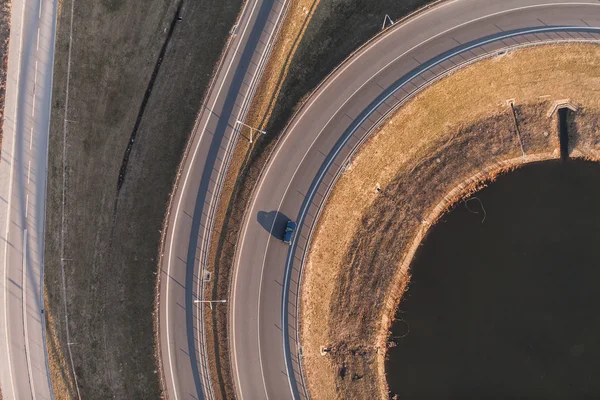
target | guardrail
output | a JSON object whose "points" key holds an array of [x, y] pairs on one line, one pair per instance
{"points": [[165, 227], [355, 127], [212, 207], [222, 171]]}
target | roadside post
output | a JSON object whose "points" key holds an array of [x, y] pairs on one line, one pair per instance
{"points": [[251, 129]]}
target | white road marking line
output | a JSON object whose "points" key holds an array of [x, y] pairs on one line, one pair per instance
{"points": [[214, 199], [181, 197], [10, 184], [40, 10], [64, 180], [31, 139], [27, 350], [26, 205], [320, 92], [35, 82], [54, 13], [29, 172], [37, 46]]}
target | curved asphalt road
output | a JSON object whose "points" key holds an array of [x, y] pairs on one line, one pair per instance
{"points": [[23, 361], [182, 345], [345, 107]]}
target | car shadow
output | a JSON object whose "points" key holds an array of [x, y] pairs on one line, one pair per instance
{"points": [[273, 219]]}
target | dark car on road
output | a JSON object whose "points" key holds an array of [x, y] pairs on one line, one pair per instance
{"points": [[288, 235]]}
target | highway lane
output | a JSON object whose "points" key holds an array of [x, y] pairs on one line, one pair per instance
{"points": [[346, 105], [189, 223], [24, 370]]}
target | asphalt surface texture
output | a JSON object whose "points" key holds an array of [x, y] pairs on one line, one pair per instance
{"points": [[182, 347], [24, 372], [329, 127], [266, 278]]}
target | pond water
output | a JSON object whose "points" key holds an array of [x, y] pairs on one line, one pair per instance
{"points": [[504, 300]]}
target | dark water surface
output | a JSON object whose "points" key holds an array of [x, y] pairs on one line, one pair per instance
{"points": [[507, 308]]}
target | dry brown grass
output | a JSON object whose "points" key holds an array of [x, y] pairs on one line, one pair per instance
{"points": [[242, 172], [315, 37], [62, 382], [337, 28], [293, 30], [5, 7], [353, 281], [112, 247]]}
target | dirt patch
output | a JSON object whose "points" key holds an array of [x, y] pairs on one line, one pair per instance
{"points": [[110, 249], [436, 149], [584, 133], [5, 7]]}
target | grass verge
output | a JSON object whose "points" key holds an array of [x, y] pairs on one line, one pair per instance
{"points": [[5, 7], [315, 37], [243, 170], [110, 246], [4, 36], [436, 149]]}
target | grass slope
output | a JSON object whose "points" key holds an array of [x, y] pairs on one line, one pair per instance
{"points": [[111, 247], [315, 37], [425, 157], [4, 36]]}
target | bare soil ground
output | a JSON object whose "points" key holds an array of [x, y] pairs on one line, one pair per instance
{"points": [[436, 149], [315, 37], [5, 7], [111, 246]]}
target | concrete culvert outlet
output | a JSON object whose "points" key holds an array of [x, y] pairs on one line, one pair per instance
{"points": [[563, 132]]}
